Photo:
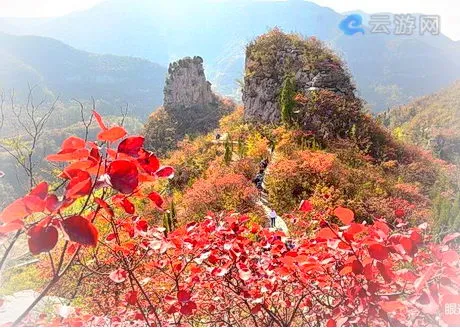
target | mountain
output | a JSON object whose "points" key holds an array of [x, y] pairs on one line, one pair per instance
{"points": [[303, 134], [189, 107], [389, 69], [432, 122], [60, 70]]}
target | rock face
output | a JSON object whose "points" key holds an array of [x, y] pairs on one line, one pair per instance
{"points": [[190, 107], [274, 56], [186, 85]]}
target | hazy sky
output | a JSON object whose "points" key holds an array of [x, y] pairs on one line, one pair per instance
{"points": [[449, 10]]}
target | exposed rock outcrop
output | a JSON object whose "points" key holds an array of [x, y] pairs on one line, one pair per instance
{"points": [[190, 107], [273, 57], [302, 83], [186, 85]]}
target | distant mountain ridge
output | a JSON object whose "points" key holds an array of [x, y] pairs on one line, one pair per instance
{"points": [[431, 122], [60, 70], [389, 69]]}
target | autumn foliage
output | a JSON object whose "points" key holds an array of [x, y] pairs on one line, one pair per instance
{"points": [[222, 270]]}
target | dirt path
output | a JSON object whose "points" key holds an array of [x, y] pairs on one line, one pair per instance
{"points": [[14, 305]]}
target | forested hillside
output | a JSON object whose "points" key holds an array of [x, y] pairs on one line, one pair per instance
{"points": [[431, 122], [58, 70]]}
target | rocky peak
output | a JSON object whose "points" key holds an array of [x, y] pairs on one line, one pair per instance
{"points": [[190, 107], [274, 56], [186, 85]]}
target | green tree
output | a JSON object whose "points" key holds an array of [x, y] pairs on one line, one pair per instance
{"points": [[446, 215], [287, 102], [170, 218], [228, 150]]}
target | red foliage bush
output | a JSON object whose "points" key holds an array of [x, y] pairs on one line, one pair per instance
{"points": [[292, 179], [230, 191], [222, 271], [364, 275]]}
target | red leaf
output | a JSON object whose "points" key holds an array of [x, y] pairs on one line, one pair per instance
{"points": [[383, 227], [331, 323], [344, 214], [102, 203], [11, 226], [34, 204], [110, 237], [421, 281], [142, 225], [165, 172], [131, 297], [352, 231], [124, 203], [385, 271], [73, 148], [131, 146], [450, 257], [118, 275], [123, 176], [156, 198], [128, 206], [15, 211], [256, 309], [94, 155], [80, 230], [99, 120], [416, 237], [41, 190], [188, 308], [52, 203], [378, 252], [408, 245], [112, 134], [66, 156], [148, 161], [80, 183], [42, 237], [346, 270], [305, 206], [73, 143], [357, 267], [391, 306], [400, 213], [326, 233], [183, 296]]}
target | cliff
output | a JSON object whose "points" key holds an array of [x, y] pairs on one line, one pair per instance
{"points": [[274, 57], [189, 107]]}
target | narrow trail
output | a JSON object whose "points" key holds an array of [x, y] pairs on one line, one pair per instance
{"points": [[262, 200], [280, 224]]}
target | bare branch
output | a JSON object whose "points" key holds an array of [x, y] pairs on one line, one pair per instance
{"points": [[31, 121], [124, 112]]}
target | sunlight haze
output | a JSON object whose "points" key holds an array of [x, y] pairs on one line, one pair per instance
{"points": [[447, 9]]}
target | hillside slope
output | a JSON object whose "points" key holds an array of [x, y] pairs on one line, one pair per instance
{"points": [[432, 122], [60, 70], [327, 150]]}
